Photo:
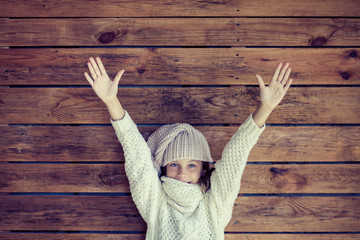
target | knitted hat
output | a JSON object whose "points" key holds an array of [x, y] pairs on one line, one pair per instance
{"points": [[175, 142]]}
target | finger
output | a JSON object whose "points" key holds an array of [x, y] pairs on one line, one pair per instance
{"points": [[95, 66], [93, 74], [118, 77], [282, 73], [260, 81], [286, 77], [276, 73], [101, 66], [88, 78], [287, 85]]}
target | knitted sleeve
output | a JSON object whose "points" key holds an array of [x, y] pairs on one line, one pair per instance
{"points": [[144, 182], [225, 180]]}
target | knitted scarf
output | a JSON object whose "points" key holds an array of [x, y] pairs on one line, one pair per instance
{"points": [[184, 197]]}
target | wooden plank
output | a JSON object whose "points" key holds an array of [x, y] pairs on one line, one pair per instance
{"points": [[257, 179], [87, 143], [87, 213], [314, 32], [192, 105], [61, 144], [77, 236], [285, 236], [301, 179], [171, 8], [231, 236], [180, 66], [118, 213], [288, 214]]}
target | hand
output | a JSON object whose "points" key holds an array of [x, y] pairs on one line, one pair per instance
{"points": [[104, 88], [272, 94]]}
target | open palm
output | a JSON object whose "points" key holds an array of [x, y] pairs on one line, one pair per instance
{"points": [[104, 88], [272, 94]]}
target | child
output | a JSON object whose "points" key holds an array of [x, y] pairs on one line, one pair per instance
{"points": [[170, 180]]}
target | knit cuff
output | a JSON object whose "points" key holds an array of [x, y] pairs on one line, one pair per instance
{"points": [[122, 125], [251, 128]]}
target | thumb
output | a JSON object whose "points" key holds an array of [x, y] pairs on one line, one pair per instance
{"points": [[260, 81], [118, 77]]}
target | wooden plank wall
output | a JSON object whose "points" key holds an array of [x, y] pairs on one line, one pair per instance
{"points": [[61, 167]]}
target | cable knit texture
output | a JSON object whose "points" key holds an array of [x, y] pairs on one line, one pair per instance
{"points": [[176, 210]]}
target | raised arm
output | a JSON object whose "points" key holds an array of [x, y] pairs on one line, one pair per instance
{"points": [[105, 88], [271, 95], [143, 178], [225, 181]]}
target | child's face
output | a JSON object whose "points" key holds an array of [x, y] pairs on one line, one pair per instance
{"points": [[185, 170]]}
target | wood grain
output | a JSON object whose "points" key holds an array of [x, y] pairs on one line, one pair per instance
{"points": [[187, 61], [192, 105], [231, 236], [257, 179], [90, 143], [118, 213], [77, 236], [171, 8], [315, 32], [180, 66], [295, 214], [292, 236]]}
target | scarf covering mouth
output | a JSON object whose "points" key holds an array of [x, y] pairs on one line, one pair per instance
{"points": [[184, 197]]}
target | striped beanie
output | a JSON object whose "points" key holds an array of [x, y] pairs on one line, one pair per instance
{"points": [[175, 142]]}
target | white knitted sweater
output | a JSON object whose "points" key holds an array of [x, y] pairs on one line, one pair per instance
{"points": [[177, 210]]}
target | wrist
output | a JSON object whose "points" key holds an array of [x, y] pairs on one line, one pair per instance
{"points": [[115, 109], [261, 114], [264, 108], [111, 101]]}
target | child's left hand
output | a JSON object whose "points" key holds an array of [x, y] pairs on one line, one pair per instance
{"points": [[272, 94]]}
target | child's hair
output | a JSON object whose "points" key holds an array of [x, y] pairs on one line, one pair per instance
{"points": [[204, 180]]}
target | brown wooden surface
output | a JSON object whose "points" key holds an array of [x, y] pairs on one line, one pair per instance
{"points": [[164, 45], [191, 105], [292, 236], [180, 66], [314, 32], [77, 236], [118, 213], [144, 8], [264, 179], [99, 143], [230, 236]]}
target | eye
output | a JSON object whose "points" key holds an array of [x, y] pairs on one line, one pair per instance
{"points": [[173, 164], [191, 165]]}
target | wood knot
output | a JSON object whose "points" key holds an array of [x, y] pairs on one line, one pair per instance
{"points": [[345, 75], [353, 54], [141, 70], [108, 179], [110, 35], [278, 171], [318, 42], [107, 37]]}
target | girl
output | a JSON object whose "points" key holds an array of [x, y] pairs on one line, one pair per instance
{"points": [[169, 176]]}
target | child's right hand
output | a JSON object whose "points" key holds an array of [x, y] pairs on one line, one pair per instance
{"points": [[104, 88]]}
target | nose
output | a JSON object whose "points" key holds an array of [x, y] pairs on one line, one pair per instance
{"points": [[182, 175]]}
